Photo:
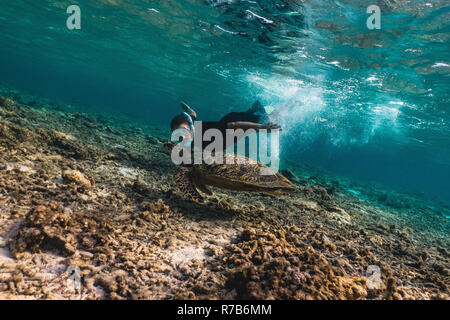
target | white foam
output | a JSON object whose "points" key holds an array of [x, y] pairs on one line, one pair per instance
{"points": [[440, 64]]}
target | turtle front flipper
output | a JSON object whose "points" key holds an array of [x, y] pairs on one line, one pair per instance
{"points": [[184, 180]]}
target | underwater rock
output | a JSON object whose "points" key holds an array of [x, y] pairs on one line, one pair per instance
{"points": [[44, 229], [141, 186], [157, 206], [317, 193], [68, 144], [14, 133], [152, 140], [6, 102], [332, 187], [391, 200], [321, 192], [152, 211], [76, 177]]}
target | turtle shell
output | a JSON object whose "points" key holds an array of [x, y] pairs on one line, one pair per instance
{"points": [[242, 170]]}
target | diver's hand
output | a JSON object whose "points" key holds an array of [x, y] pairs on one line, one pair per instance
{"points": [[270, 126], [188, 110]]}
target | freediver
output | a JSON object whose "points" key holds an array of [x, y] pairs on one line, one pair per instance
{"points": [[254, 118]]}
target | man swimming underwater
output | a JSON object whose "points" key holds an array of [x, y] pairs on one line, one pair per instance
{"points": [[254, 118]]}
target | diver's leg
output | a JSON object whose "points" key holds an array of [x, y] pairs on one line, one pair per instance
{"points": [[245, 117]]}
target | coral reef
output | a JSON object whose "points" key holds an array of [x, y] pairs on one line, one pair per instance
{"points": [[83, 191]]}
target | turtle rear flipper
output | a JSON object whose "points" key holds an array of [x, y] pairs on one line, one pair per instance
{"points": [[199, 184], [184, 180]]}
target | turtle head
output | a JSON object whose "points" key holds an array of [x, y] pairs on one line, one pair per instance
{"points": [[168, 146]]}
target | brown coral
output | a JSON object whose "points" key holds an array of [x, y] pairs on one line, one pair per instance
{"points": [[44, 229], [271, 265]]}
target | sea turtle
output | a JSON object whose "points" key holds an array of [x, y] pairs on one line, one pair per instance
{"points": [[236, 173]]}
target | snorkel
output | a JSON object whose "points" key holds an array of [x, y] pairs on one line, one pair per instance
{"points": [[191, 123]]}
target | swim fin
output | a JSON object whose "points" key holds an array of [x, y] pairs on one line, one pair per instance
{"points": [[257, 108]]}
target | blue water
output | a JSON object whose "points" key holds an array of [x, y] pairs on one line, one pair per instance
{"points": [[372, 105]]}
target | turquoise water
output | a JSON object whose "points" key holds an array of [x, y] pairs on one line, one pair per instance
{"points": [[372, 105]]}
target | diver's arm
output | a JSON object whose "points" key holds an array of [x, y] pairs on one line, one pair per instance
{"points": [[244, 125]]}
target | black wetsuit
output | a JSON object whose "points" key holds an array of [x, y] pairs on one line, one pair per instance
{"points": [[256, 114]]}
